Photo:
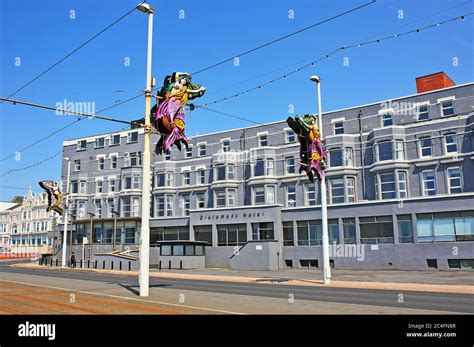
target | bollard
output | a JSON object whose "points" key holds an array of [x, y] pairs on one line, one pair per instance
{"points": [[56, 262], [88, 263], [181, 265], [103, 264], [51, 261], [96, 264], [170, 264], [160, 264], [120, 265], [129, 266], [81, 263], [112, 265]]}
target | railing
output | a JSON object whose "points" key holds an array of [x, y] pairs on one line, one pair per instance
{"points": [[88, 264], [377, 240]]}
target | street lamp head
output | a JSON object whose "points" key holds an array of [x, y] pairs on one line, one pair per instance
{"points": [[315, 78], [145, 8]]}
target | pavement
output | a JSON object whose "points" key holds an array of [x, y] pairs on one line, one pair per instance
{"points": [[460, 282]]}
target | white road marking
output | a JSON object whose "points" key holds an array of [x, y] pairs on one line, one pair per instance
{"points": [[123, 297]]}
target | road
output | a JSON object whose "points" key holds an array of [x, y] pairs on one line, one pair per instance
{"points": [[180, 296]]}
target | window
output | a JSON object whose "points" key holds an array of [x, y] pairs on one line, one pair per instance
{"points": [[98, 208], [164, 205], [333, 231], [402, 184], [262, 231], [113, 161], [169, 179], [136, 182], [259, 195], [309, 233], [168, 156], [405, 229], [200, 176], [290, 165], [350, 184], [259, 168], [189, 152], [101, 163], [270, 167], [203, 233], [230, 171], [309, 262], [225, 197], [99, 142], [447, 226], [341, 157], [135, 159], [385, 151], [226, 145], [349, 230], [112, 185], [338, 128], [132, 137], [291, 195], [376, 230], [387, 185], [114, 140], [186, 178], [77, 165], [186, 202], [263, 140], [127, 182], [387, 120], [454, 180], [310, 194], [432, 263], [81, 145], [270, 194], [99, 187], [451, 143], [201, 149], [447, 108], [135, 207], [73, 187], [288, 238], [337, 190], [231, 235], [399, 152], [461, 263], [422, 111], [425, 147], [428, 182], [200, 200], [82, 187], [290, 136]]}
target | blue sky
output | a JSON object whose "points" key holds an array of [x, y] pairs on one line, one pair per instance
{"points": [[41, 32]]}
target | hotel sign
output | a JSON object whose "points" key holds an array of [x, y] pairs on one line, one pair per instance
{"points": [[231, 215]]}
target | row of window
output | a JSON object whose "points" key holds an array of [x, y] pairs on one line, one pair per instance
{"points": [[386, 117], [114, 140], [130, 207], [394, 150]]}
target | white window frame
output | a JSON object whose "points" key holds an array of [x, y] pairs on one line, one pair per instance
{"points": [[287, 166], [260, 136], [425, 191], [420, 147], [99, 158], [287, 196], [288, 132], [80, 186], [203, 194], [448, 180], [382, 113], [445, 142], [441, 109], [77, 166], [79, 147], [420, 104], [129, 137], [199, 171], [188, 153], [337, 121], [95, 142], [224, 147], [199, 145], [97, 186], [397, 151], [112, 136], [306, 192], [186, 174], [269, 167], [111, 156]]}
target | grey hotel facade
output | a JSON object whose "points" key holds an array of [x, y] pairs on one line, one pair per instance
{"points": [[399, 177]]}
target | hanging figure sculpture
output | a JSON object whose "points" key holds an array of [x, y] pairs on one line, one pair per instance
{"points": [[54, 196], [312, 153], [168, 115]]}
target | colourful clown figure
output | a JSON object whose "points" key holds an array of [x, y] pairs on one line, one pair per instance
{"points": [[168, 115], [312, 153], [54, 196]]}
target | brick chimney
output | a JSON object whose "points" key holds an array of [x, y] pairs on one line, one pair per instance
{"points": [[434, 81]]}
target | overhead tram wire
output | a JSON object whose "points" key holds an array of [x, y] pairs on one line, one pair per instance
{"points": [[312, 57], [284, 37], [329, 54], [72, 52], [255, 48]]}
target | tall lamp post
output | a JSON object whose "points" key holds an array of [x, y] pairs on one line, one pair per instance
{"points": [[143, 277], [66, 203], [324, 209]]}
